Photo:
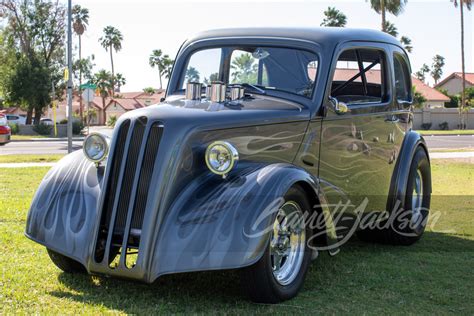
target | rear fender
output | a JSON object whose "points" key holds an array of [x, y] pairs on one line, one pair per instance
{"points": [[223, 224]]}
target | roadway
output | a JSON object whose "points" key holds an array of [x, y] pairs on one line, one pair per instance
{"points": [[60, 147]]}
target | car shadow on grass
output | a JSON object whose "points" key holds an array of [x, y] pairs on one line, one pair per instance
{"points": [[359, 265]]}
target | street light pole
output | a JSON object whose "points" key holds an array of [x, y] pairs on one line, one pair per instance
{"points": [[69, 79]]}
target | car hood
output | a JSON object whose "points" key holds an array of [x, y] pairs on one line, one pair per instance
{"points": [[256, 110]]}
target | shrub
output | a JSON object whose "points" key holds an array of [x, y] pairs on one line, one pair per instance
{"points": [[43, 129], [15, 128], [77, 127], [444, 126], [112, 120], [426, 126], [63, 121]]}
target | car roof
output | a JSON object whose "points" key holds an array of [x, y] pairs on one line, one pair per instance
{"points": [[326, 35]]}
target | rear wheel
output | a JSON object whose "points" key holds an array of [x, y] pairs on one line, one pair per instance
{"points": [[64, 263], [280, 273], [407, 225]]}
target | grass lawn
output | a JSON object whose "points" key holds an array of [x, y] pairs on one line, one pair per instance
{"points": [[433, 276], [27, 137], [30, 158], [449, 132]]}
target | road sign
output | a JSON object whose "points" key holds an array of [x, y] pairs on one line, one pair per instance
{"points": [[88, 86], [88, 95]]}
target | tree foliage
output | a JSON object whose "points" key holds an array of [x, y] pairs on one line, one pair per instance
{"points": [[244, 69], [421, 74], [437, 67], [163, 63], [419, 100], [334, 17]]}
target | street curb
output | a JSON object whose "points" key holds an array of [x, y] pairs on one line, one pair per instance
{"points": [[79, 139]]}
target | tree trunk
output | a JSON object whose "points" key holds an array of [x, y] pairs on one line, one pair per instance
{"points": [[81, 113], [161, 84], [29, 116], [463, 95], [113, 73], [103, 114], [38, 114], [382, 11]]}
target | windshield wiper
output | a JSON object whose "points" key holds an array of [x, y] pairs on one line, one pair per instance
{"points": [[255, 87]]}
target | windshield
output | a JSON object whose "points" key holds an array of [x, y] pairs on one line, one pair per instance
{"points": [[261, 69]]}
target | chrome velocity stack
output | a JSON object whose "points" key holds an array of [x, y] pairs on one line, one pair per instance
{"points": [[217, 92], [236, 93], [193, 91]]}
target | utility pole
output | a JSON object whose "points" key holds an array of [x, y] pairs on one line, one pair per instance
{"points": [[69, 75]]}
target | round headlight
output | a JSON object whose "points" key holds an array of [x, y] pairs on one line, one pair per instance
{"points": [[221, 157], [95, 147]]}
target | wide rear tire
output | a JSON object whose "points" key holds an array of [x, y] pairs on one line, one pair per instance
{"points": [[406, 225]]}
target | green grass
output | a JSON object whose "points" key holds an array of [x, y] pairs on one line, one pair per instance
{"points": [[28, 137], [30, 158], [449, 132], [433, 276]]}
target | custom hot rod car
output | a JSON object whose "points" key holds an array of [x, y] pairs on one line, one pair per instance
{"points": [[272, 144]]}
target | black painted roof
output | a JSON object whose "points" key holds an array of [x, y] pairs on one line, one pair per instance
{"points": [[327, 35]]}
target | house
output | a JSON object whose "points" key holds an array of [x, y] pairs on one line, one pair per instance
{"points": [[453, 82], [128, 101], [61, 112]]}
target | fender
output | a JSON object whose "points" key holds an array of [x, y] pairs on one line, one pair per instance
{"points": [[224, 224], [401, 172], [63, 213]]}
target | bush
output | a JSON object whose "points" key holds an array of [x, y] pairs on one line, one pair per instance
{"points": [[112, 120], [77, 127], [63, 121], [15, 128], [444, 126], [43, 129], [426, 126]]}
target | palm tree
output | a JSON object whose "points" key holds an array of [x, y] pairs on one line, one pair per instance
{"points": [[149, 90], [157, 59], [245, 69], [468, 4], [334, 17], [406, 42], [80, 16], [120, 81], [103, 81], [394, 7], [192, 75], [168, 66], [390, 28], [421, 74], [112, 40], [437, 68]]}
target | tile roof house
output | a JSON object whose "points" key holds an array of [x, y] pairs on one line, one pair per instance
{"points": [[453, 82]]}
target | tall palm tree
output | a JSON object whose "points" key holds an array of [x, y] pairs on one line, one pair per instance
{"points": [[406, 42], [120, 81], [461, 4], [394, 7], [168, 66], [80, 16], [334, 17], [103, 81], [112, 40], [244, 69], [437, 68], [159, 60]]}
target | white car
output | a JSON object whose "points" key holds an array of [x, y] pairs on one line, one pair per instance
{"points": [[20, 120], [46, 121]]}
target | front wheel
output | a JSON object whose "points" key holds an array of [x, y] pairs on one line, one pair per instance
{"points": [[64, 263], [281, 271]]}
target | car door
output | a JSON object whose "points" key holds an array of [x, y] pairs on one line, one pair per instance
{"points": [[359, 146]]}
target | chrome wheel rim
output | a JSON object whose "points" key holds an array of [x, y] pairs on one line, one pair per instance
{"points": [[287, 243], [417, 198]]}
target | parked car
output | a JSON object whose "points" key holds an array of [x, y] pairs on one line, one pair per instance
{"points": [[5, 131], [46, 121], [16, 119], [271, 145]]}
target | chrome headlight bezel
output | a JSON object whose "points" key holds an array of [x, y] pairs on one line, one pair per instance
{"points": [[232, 154], [106, 150]]}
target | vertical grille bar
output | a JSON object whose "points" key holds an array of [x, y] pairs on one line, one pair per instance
{"points": [[127, 182], [111, 189]]}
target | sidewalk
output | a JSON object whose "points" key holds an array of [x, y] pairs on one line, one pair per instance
{"points": [[50, 139], [452, 155]]}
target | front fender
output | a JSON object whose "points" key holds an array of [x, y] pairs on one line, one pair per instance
{"points": [[63, 213], [223, 224]]}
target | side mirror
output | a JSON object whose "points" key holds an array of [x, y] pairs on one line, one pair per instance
{"points": [[338, 107]]}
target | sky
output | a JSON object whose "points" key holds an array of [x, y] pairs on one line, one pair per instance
{"points": [[433, 26]]}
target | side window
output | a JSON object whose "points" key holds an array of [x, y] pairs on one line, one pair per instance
{"points": [[359, 77], [402, 79]]}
